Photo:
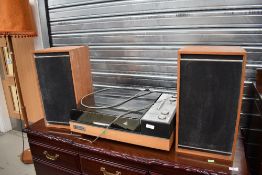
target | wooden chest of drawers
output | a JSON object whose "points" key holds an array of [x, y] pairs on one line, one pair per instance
{"points": [[64, 154]]}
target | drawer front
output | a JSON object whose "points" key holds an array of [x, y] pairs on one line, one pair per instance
{"points": [[152, 173], [55, 141], [60, 157], [91, 166], [43, 168]]}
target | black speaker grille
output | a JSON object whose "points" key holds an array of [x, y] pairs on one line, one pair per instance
{"points": [[56, 85], [208, 103]]}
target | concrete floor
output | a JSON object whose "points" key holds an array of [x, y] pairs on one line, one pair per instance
{"points": [[10, 150]]}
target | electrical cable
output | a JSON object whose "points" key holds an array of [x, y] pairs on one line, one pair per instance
{"points": [[119, 116], [114, 105]]}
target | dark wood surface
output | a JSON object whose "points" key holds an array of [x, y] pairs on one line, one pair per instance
{"points": [[252, 132], [79, 156], [259, 80]]}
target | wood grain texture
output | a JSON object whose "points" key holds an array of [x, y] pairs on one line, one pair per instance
{"points": [[2, 42], [178, 96], [211, 50], [58, 49], [95, 166], [81, 72], [61, 157], [49, 125], [26, 157], [127, 137], [243, 77], [135, 157], [44, 168], [23, 48], [8, 81]]}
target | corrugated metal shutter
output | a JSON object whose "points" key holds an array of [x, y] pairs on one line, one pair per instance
{"points": [[135, 42]]}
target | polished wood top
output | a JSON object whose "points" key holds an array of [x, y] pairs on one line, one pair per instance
{"points": [[138, 154], [59, 49], [213, 50]]}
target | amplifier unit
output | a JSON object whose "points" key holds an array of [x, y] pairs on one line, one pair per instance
{"points": [[210, 87], [64, 78]]}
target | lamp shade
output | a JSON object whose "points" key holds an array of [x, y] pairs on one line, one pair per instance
{"points": [[16, 18]]}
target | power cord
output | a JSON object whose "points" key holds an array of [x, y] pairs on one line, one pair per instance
{"points": [[119, 116], [114, 105]]}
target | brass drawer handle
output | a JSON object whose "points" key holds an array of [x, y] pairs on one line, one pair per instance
{"points": [[108, 173], [50, 157]]}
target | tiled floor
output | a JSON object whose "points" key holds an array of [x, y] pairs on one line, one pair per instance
{"points": [[10, 150]]}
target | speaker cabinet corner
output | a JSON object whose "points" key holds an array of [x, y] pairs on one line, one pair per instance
{"points": [[64, 76], [210, 89]]}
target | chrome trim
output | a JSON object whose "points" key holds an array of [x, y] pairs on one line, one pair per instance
{"points": [[100, 124]]}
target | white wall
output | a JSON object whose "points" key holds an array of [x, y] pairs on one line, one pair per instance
{"points": [[5, 124], [38, 41]]}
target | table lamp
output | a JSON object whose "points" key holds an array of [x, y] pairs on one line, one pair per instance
{"points": [[16, 20]]}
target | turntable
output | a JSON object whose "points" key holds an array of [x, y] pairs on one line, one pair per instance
{"points": [[139, 117]]}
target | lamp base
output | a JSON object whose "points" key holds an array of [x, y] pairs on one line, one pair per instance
{"points": [[26, 157]]}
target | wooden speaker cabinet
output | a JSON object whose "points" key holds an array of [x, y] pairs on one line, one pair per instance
{"points": [[64, 76], [210, 88]]}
